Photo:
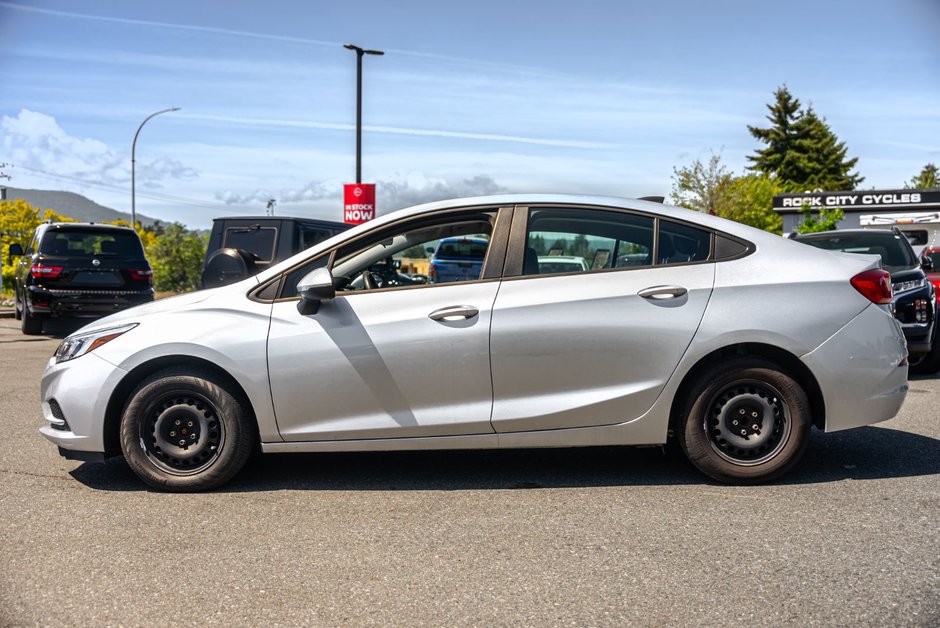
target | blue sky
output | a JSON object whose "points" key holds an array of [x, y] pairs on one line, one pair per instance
{"points": [[470, 98]]}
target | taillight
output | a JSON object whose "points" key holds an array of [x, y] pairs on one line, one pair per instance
{"points": [[38, 271], [140, 274], [874, 285]]}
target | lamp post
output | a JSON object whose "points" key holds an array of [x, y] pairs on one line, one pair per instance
{"points": [[134, 164], [359, 53]]}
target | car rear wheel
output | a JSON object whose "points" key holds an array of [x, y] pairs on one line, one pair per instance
{"points": [[183, 431], [17, 312], [29, 323], [747, 422]]}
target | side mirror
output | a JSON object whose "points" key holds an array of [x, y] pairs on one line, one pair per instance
{"points": [[925, 262], [316, 286], [15, 249], [429, 249]]}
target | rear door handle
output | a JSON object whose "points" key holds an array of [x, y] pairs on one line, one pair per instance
{"points": [[454, 313], [662, 292]]}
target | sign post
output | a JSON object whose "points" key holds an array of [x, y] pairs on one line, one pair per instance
{"points": [[358, 203]]}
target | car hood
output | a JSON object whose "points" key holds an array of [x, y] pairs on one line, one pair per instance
{"points": [[191, 300]]}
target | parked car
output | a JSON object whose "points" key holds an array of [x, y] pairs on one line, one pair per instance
{"points": [[914, 302], [735, 353], [562, 264], [930, 258], [921, 229], [242, 246], [76, 269], [457, 259]]}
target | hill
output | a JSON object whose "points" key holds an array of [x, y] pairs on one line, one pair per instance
{"points": [[72, 205]]}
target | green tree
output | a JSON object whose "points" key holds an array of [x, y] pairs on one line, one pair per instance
{"points": [[801, 150], [176, 257], [712, 189], [701, 187], [825, 219], [928, 178], [18, 220], [749, 200], [779, 136]]}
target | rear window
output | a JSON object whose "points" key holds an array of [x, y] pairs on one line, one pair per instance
{"points": [[461, 249], [259, 241], [892, 249], [91, 243]]}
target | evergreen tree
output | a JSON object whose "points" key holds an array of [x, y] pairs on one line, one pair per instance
{"points": [[928, 178], [779, 137], [819, 158], [801, 150]]}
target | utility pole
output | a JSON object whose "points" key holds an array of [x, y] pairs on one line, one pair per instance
{"points": [[271, 203], [359, 53]]}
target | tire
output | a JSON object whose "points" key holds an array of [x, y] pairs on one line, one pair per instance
{"points": [[227, 266], [181, 404], [29, 323], [929, 363], [17, 312], [776, 432]]}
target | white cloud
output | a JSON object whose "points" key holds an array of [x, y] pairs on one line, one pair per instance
{"points": [[392, 194], [36, 141]]}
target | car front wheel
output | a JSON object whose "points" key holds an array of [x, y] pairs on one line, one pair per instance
{"points": [[746, 422], [184, 431]]}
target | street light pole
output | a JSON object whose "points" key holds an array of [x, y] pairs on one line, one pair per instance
{"points": [[134, 164], [359, 53]]}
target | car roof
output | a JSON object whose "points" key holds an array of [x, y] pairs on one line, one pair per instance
{"points": [[65, 226], [759, 238]]}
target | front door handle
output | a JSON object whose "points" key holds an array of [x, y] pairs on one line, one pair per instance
{"points": [[662, 292], [454, 313]]}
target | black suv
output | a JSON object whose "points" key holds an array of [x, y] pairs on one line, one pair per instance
{"points": [[242, 246], [79, 269], [914, 303]]}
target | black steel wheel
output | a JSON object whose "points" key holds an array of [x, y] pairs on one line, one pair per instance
{"points": [[182, 431], [746, 422]]}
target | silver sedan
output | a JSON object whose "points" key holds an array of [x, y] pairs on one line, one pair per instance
{"points": [[729, 340]]}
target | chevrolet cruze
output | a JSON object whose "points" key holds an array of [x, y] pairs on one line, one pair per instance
{"points": [[679, 325]]}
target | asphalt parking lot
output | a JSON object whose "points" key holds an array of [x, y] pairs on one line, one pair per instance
{"points": [[589, 537]]}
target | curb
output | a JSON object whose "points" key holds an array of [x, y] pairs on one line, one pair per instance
{"points": [[6, 313]]}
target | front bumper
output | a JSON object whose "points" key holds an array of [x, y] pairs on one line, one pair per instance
{"points": [[80, 389], [859, 370], [84, 303]]}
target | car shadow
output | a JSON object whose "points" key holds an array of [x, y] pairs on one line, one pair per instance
{"points": [[865, 453]]}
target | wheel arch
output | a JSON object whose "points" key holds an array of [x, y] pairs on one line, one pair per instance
{"points": [[788, 363], [122, 392]]}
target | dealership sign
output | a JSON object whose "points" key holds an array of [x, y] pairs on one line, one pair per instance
{"points": [[358, 203], [859, 200]]}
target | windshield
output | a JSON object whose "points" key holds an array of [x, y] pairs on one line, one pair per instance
{"points": [[895, 253]]}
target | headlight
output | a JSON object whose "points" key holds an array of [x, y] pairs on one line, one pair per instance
{"points": [[80, 344], [905, 286]]}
